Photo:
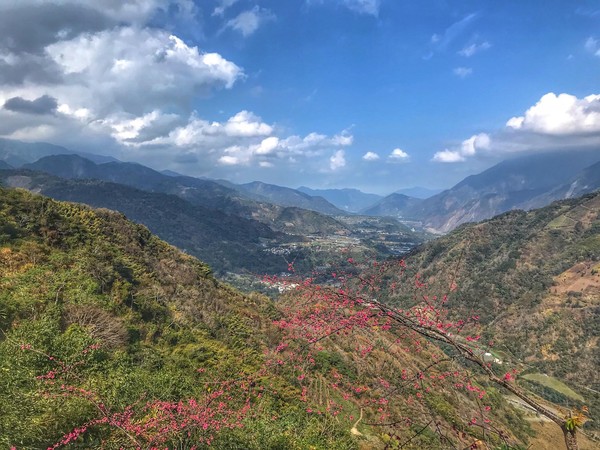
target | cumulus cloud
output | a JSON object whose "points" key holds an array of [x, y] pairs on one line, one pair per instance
{"points": [[41, 105], [448, 156], [474, 48], [337, 160], [370, 156], [133, 70], [560, 115], [248, 22], [398, 155], [267, 146], [468, 147], [94, 73], [555, 122], [462, 72]]}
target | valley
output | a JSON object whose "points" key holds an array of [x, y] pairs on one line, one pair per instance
{"points": [[531, 278], [299, 225]]}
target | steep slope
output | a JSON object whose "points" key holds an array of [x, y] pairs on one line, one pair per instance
{"points": [[419, 192], [587, 181], [4, 165], [114, 339], [99, 308], [394, 205], [533, 278], [511, 184], [351, 200], [226, 242]]}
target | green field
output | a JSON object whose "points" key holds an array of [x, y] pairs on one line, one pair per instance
{"points": [[553, 383]]}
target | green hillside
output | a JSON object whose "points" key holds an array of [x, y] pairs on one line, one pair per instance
{"points": [[114, 339], [533, 278]]}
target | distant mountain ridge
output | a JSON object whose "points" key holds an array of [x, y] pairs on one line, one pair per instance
{"points": [[17, 153], [394, 205], [350, 200], [226, 242], [419, 192], [284, 196], [525, 182]]}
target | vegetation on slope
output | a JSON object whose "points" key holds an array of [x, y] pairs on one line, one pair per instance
{"points": [[108, 332], [534, 280]]}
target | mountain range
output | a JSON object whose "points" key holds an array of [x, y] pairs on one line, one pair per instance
{"points": [[221, 225], [524, 182]]}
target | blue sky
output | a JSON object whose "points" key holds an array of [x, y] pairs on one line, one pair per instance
{"points": [[374, 94]]}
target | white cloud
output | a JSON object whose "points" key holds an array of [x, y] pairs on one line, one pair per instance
{"points": [[229, 160], [398, 155], [468, 147], [248, 22], [370, 156], [474, 48], [337, 160], [592, 45], [442, 41], [369, 7], [555, 122], [462, 72], [243, 124], [477, 142], [117, 86], [363, 6], [135, 70], [448, 156], [267, 146], [560, 115], [223, 6]]}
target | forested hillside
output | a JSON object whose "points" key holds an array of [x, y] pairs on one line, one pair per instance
{"points": [[534, 280], [114, 339]]}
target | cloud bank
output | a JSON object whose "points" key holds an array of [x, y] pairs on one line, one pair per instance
{"points": [[556, 121]]}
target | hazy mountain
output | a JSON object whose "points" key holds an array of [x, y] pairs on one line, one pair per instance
{"points": [[198, 191], [511, 184], [4, 165], [534, 280], [284, 196], [225, 241], [18, 153], [351, 200], [419, 192], [201, 192], [586, 181], [171, 173], [394, 205]]}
